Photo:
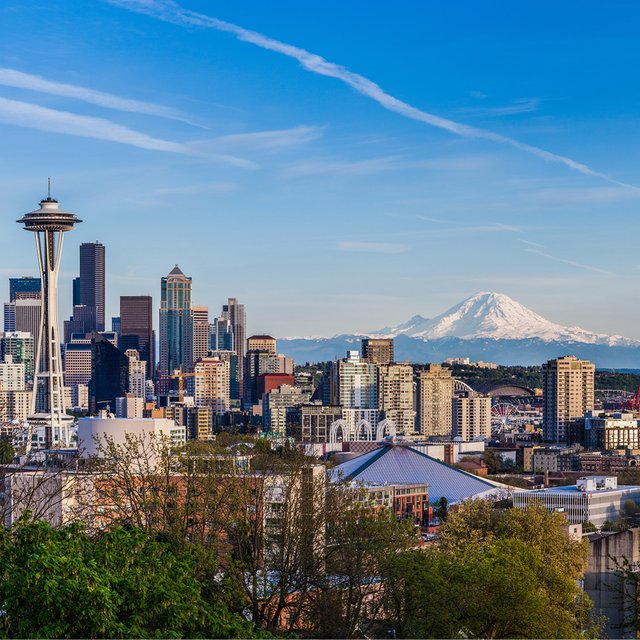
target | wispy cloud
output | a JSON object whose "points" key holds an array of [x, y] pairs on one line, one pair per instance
{"points": [[536, 250], [32, 116], [172, 12], [372, 247], [358, 167], [580, 196], [21, 80], [521, 105], [491, 227], [270, 140]]}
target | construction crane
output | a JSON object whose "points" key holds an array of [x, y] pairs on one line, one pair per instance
{"points": [[178, 373]]}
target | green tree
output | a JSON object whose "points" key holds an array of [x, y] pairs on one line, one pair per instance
{"points": [[441, 510], [6, 451], [58, 583], [496, 574]]}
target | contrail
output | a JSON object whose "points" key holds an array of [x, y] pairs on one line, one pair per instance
{"points": [[33, 116], [21, 80], [170, 11]]}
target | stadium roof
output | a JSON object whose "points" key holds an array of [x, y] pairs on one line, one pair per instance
{"points": [[398, 463]]}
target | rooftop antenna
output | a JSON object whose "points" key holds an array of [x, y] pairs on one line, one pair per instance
{"points": [[48, 187]]}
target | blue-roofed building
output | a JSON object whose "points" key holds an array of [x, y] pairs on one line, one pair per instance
{"points": [[396, 462]]}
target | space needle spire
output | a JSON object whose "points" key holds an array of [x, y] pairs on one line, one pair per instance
{"points": [[49, 224]]}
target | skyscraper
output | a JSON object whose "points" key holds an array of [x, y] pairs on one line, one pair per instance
{"points": [[234, 313], [357, 391], [377, 350], [472, 416], [109, 373], [212, 385], [20, 346], [48, 224], [176, 324], [26, 285], [200, 332], [568, 394], [92, 289], [136, 329], [220, 335], [395, 395], [435, 398]]}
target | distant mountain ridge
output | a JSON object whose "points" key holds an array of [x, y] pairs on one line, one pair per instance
{"points": [[498, 317], [487, 326]]}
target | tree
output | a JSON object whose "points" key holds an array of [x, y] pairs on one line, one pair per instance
{"points": [[441, 510], [124, 584], [497, 573], [362, 538]]}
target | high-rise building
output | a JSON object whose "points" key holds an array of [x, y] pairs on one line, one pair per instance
{"points": [[76, 291], [312, 422], [15, 405], [136, 329], [212, 384], [12, 375], [234, 313], [129, 406], [109, 373], [434, 402], [92, 288], [49, 223], [77, 361], [28, 312], [277, 404], [137, 374], [396, 395], [256, 364], [115, 324], [472, 416], [24, 287], [261, 343], [176, 324], [568, 394], [200, 332], [232, 358], [9, 316], [357, 391], [83, 321], [377, 350], [20, 346], [220, 335]]}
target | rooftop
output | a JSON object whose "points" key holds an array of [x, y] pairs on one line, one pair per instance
{"points": [[397, 463]]}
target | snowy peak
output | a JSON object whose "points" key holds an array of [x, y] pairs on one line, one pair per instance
{"points": [[495, 316]]}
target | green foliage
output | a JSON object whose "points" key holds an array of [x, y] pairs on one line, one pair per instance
{"points": [[496, 574], [57, 583], [441, 509], [496, 463], [6, 451]]}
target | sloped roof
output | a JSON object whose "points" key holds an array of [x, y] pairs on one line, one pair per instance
{"points": [[176, 271], [401, 464]]}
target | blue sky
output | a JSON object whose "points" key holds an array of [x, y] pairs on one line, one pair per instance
{"points": [[325, 201]]}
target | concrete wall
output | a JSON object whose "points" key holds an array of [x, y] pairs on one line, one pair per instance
{"points": [[604, 586]]}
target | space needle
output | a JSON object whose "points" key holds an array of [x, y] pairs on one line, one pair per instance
{"points": [[49, 224]]}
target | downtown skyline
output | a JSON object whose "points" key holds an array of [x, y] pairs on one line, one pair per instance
{"points": [[299, 182]]}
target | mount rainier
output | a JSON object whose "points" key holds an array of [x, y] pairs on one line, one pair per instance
{"points": [[487, 326]]}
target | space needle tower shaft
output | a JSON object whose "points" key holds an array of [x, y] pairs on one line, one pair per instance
{"points": [[49, 224]]}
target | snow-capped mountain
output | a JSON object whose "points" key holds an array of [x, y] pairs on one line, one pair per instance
{"points": [[498, 317], [486, 326]]}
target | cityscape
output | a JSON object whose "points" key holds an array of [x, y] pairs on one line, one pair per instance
{"points": [[261, 436]]}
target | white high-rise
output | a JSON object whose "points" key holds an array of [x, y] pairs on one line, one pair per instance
{"points": [[49, 224]]}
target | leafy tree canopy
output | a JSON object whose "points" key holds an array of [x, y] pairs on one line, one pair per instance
{"points": [[62, 583]]}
